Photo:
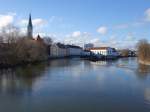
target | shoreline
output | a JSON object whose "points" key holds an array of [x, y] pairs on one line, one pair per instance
{"points": [[144, 62], [7, 66]]}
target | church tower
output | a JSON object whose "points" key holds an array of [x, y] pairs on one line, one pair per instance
{"points": [[30, 28]]}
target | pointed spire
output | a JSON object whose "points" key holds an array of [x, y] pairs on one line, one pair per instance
{"points": [[30, 27], [30, 20]]}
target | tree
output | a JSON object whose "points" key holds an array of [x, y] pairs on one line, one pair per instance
{"points": [[17, 49], [125, 52], [144, 50], [11, 33], [48, 40]]}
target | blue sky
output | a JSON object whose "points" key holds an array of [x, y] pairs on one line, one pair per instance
{"points": [[119, 23]]}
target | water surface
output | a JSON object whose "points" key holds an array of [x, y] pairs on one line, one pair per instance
{"points": [[74, 85]]}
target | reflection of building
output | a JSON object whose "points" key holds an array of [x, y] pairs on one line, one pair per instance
{"points": [[105, 51], [101, 63], [30, 28]]}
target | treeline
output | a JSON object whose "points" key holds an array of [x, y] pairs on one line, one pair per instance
{"points": [[144, 51], [18, 49]]}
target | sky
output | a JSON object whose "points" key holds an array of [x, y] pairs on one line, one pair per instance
{"points": [[114, 23]]}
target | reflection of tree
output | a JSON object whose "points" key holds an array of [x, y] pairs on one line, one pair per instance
{"points": [[63, 63], [20, 80], [143, 71], [147, 94]]}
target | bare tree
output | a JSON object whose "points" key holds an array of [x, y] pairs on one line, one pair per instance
{"points": [[144, 50], [17, 49], [10, 34], [48, 40], [125, 52]]}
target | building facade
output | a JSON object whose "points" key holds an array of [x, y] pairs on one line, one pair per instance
{"points": [[73, 50], [105, 51], [60, 50]]}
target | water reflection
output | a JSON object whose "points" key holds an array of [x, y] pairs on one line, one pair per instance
{"points": [[147, 95], [19, 81], [89, 86], [143, 71], [63, 62], [127, 64]]}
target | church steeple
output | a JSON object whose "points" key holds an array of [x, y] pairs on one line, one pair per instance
{"points": [[30, 28]]}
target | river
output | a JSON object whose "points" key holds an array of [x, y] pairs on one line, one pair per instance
{"points": [[74, 85]]}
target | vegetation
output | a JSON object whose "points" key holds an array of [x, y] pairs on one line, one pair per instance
{"points": [[144, 51], [17, 49], [125, 52]]}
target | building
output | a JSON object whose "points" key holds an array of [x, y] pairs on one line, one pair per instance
{"points": [[105, 51], [39, 39], [88, 46], [86, 53], [73, 50], [127, 53], [58, 50], [30, 28]]}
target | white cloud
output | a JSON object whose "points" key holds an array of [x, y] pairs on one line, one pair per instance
{"points": [[130, 37], [121, 26], [102, 30], [128, 41], [6, 20], [147, 15], [54, 19], [139, 23], [76, 34], [38, 22], [81, 38], [38, 25], [23, 31]]}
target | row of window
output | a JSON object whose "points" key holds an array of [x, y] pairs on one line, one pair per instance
{"points": [[103, 52]]}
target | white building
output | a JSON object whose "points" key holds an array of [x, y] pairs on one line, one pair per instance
{"points": [[74, 50], [105, 51], [58, 50]]}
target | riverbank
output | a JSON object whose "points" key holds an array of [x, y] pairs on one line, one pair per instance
{"points": [[90, 58], [6, 66], [144, 62]]}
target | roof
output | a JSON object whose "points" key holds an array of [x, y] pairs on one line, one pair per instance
{"points": [[61, 45], [99, 48], [73, 46]]}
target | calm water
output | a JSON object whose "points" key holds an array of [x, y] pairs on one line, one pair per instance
{"points": [[76, 86]]}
